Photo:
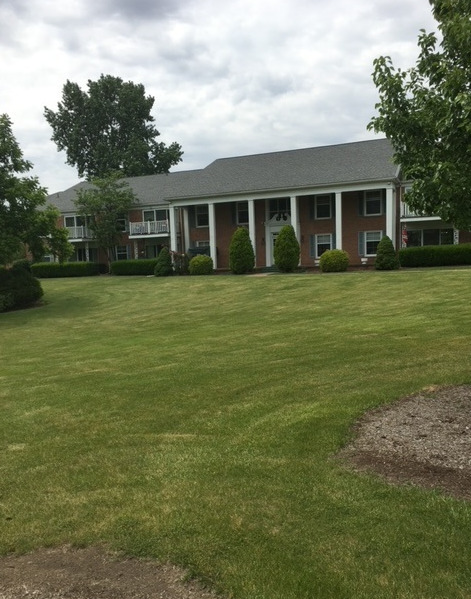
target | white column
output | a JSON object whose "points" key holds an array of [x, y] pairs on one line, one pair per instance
{"points": [[136, 250], [173, 229], [186, 229], [87, 252], [252, 227], [212, 233], [456, 236], [391, 216], [338, 220], [295, 216]]}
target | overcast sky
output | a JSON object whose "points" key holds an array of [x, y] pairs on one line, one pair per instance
{"points": [[228, 78]]}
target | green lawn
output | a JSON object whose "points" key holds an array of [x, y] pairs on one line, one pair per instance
{"points": [[193, 420]]}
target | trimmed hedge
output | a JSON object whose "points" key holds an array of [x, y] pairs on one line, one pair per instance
{"points": [[18, 288], [334, 261], [201, 265], [50, 270], [133, 267], [436, 255]]}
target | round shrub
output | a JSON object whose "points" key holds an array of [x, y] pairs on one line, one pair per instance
{"points": [[386, 255], [241, 254], [334, 261], [18, 288], [163, 266], [286, 251], [201, 265]]}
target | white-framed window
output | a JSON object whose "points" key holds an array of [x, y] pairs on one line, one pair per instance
{"points": [[122, 252], [122, 223], [373, 202], [202, 215], [149, 216], [74, 221], [202, 244], [321, 243], [368, 242], [279, 207], [242, 211], [323, 206], [419, 237]]}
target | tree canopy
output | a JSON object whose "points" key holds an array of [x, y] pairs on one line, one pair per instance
{"points": [[104, 206], [426, 113], [22, 220], [110, 128]]}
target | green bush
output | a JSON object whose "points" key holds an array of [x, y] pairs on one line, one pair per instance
{"points": [[334, 261], [241, 254], [23, 263], [201, 265], [163, 266], [386, 255], [49, 270], [133, 267], [286, 252], [436, 255], [18, 288]]}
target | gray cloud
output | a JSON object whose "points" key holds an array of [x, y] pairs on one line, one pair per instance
{"points": [[228, 78]]}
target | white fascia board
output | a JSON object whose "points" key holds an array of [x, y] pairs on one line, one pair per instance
{"points": [[277, 193]]}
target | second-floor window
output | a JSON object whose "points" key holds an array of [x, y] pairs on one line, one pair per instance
{"points": [[74, 221], [154, 215], [279, 207], [202, 215], [323, 206], [242, 213], [372, 202]]}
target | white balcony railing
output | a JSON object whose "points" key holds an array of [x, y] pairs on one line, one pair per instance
{"points": [[152, 227], [407, 212], [79, 233]]}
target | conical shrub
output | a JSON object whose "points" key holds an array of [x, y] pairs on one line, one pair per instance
{"points": [[386, 256], [241, 254], [286, 252]]}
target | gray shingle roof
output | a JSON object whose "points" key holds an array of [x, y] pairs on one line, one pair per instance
{"points": [[342, 164]]}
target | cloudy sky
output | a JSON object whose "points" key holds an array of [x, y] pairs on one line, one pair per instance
{"points": [[228, 78]]}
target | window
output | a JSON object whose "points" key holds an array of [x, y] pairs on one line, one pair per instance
{"points": [[279, 207], [242, 213], [202, 216], [419, 237], [121, 252], [122, 223], [320, 244], [323, 206], [149, 216], [368, 242], [202, 244], [373, 202]]}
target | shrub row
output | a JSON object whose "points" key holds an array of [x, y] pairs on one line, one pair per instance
{"points": [[49, 270], [18, 288], [134, 267], [436, 255]]}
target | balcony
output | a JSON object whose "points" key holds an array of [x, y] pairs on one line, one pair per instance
{"points": [[79, 233], [407, 214], [151, 228]]}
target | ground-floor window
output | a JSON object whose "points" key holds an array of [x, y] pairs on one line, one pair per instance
{"points": [[82, 255], [122, 252], [419, 237], [320, 244], [368, 242], [202, 244]]}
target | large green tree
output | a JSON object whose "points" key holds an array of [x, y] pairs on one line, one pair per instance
{"points": [[110, 128], [426, 113], [104, 204], [21, 200]]}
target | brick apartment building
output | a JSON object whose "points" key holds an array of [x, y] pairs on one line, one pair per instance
{"points": [[344, 196]]}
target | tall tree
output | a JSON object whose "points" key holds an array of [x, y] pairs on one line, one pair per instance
{"points": [[104, 205], [110, 128], [426, 113], [21, 198]]}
